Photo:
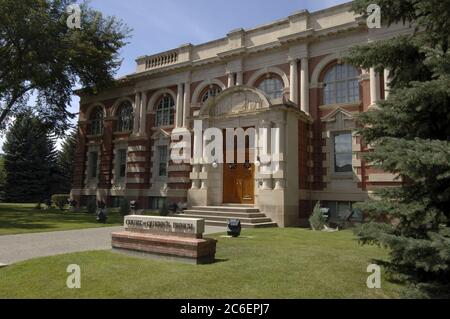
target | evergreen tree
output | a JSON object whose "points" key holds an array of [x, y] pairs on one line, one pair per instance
{"points": [[30, 161], [410, 134], [2, 177], [66, 158]]}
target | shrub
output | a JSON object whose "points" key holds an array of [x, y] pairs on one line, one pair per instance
{"points": [[60, 200], [91, 207], [317, 219], [124, 207]]}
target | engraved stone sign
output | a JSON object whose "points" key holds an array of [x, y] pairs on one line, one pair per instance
{"points": [[165, 225], [168, 237]]}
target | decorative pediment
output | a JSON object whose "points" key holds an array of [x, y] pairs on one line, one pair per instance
{"points": [[160, 134], [339, 119], [236, 100]]}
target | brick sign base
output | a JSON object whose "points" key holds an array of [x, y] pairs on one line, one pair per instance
{"points": [[156, 237]]}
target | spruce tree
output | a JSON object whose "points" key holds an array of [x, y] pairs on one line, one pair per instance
{"points": [[66, 157], [30, 161], [410, 133], [2, 177]]}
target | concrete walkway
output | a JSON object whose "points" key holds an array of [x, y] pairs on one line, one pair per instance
{"points": [[15, 248]]}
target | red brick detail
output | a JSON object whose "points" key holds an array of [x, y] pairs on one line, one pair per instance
{"points": [[303, 154], [166, 245], [106, 156]]}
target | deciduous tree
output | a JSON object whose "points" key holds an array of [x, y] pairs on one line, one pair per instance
{"points": [[41, 56]]}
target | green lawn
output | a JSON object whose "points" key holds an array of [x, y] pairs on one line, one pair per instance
{"points": [[24, 218], [265, 263]]}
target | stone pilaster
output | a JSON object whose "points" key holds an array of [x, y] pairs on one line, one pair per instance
{"points": [[179, 107], [387, 82], [137, 110], [186, 103], [240, 78], [304, 81], [230, 79], [374, 87], [143, 114], [293, 90]]}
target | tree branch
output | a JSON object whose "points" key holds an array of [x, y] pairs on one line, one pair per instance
{"points": [[11, 103]]}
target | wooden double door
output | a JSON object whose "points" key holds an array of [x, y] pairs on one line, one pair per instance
{"points": [[238, 179]]}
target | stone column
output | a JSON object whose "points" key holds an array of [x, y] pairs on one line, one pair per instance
{"points": [[304, 81], [387, 82], [374, 87], [204, 182], [240, 78], [294, 81], [196, 182], [137, 110], [230, 79], [278, 147], [187, 103], [264, 149], [143, 114], [179, 107]]}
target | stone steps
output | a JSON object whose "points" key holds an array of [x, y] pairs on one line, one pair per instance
{"points": [[249, 216], [232, 209], [223, 214], [254, 220]]}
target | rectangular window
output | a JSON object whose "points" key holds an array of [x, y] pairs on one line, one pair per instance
{"points": [[93, 164], [157, 202], [329, 94], [341, 92], [340, 211], [116, 201], [343, 153], [122, 162], [353, 90], [162, 151]]}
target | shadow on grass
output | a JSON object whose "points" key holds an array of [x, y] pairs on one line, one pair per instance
{"points": [[220, 260], [30, 226], [15, 218]]}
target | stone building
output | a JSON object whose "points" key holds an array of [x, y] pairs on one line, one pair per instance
{"points": [[287, 74]]}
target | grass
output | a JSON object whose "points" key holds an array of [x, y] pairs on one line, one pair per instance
{"points": [[24, 218], [265, 263]]}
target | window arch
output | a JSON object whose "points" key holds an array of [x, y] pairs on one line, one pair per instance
{"points": [[165, 111], [272, 86], [212, 91], [126, 117], [96, 120], [341, 85]]}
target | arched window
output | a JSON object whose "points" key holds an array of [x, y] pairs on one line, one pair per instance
{"points": [[97, 120], [165, 111], [341, 85], [212, 91], [126, 117], [273, 87]]}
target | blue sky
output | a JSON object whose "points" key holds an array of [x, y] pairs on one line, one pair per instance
{"points": [[160, 25]]}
